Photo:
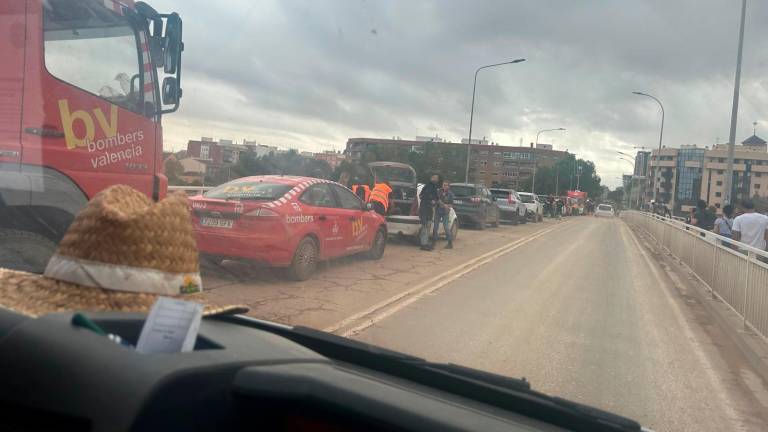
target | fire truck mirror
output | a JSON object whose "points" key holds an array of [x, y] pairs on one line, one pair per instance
{"points": [[172, 44], [170, 91]]}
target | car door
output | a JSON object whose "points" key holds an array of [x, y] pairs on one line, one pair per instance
{"points": [[489, 204], [356, 229], [320, 203]]}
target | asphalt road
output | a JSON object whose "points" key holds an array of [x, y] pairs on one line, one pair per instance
{"points": [[583, 312]]}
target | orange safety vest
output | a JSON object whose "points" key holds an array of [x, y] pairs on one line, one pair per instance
{"points": [[381, 193], [366, 190]]}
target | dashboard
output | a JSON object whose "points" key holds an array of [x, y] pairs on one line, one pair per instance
{"points": [[56, 376]]}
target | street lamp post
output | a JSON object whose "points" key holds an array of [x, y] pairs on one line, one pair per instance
{"points": [[734, 110], [533, 156], [661, 135], [472, 110]]}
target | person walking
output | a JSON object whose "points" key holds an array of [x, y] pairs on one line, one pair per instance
{"points": [[442, 214], [428, 198], [702, 217], [724, 224], [750, 228], [379, 197]]}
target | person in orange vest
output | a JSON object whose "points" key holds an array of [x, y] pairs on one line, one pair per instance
{"points": [[380, 197], [362, 191]]}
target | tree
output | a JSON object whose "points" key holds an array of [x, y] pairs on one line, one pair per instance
{"points": [[616, 195], [565, 173], [174, 170]]}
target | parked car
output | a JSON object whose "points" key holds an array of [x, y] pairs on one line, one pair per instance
{"points": [[604, 210], [474, 205], [402, 217], [285, 221], [535, 207], [511, 207]]}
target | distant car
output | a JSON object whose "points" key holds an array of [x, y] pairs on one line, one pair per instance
{"points": [[285, 221], [604, 210], [511, 207], [474, 205], [535, 207]]}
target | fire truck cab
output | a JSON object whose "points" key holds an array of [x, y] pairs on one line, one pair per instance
{"points": [[80, 110]]}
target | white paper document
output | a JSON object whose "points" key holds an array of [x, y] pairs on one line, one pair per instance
{"points": [[171, 327]]}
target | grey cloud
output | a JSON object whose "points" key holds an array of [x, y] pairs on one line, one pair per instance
{"points": [[321, 71]]}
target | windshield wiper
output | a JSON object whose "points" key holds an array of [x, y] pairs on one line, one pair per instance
{"points": [[511, 394]]}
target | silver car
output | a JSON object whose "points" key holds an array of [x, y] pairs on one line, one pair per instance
{"points": [[511, 207]]}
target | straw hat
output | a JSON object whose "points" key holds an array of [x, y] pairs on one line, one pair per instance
{"points": [[121, 252]]}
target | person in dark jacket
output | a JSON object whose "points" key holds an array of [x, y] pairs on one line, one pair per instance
{"points": [[442, 214], [428, 198]]}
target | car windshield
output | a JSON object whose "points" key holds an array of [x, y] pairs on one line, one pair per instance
{"points": [[500, 194], [248, 190], [464, 191], [392, 173], [288, 133]]}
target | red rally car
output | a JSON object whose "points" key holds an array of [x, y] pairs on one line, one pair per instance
{"points": [[286, 221]]}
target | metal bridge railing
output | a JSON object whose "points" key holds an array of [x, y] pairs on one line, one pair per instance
{"points": [[733, 271]]}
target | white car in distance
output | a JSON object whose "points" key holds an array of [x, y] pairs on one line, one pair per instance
{"points": [[604, 210]]}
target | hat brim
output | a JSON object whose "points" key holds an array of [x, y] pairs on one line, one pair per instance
{"points": [[36, 295]]}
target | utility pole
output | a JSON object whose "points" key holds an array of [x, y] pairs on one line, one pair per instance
{"points": [[734, 110]]}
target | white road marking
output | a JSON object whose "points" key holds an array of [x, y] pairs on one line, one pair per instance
{"points": [[388, 307]]}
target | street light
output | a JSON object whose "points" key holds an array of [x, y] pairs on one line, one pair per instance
{"points": [[734, 110], [472, 110], [533, 153], [661, 134]]}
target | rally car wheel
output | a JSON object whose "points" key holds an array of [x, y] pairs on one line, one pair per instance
{"points": [[304, 260], [379, 244]]}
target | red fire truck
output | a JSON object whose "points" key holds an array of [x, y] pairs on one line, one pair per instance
{"points": [[80, 109], [576, 201]]}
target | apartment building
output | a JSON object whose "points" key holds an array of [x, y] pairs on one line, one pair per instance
{"points": [[682, 176], [490, 163]]}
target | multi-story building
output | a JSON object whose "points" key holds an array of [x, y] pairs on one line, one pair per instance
{"points": [[490, 164], [333, 158], [641, 163], [750, 171], [682, 176]]}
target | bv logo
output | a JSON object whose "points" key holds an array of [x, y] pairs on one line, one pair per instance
{"points": [[68, 119], [358, 227]]}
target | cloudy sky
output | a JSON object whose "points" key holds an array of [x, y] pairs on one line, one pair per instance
{"points": [[310, 74]]}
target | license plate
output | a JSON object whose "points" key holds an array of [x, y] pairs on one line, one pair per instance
{"points": [[458, 202], [216, 222]]}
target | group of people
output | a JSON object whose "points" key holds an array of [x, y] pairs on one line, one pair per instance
{"points": [[435, 201], [555, 206], [741, 223]]}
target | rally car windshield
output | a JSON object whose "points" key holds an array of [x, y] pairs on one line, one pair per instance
{"points": [[248, 191], [464, 191]]}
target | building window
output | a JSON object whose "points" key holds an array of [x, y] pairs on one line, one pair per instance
{"points": [[484, 153], [497, 153], [204, 151], [737, 161], [482, 163], [758, 175], [495, 174], [721, 160], [719, 183], [497, 164], [718, 194], [483, 172], [720, 172], [757, 185]]}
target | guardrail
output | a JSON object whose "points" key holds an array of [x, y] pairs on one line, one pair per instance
{"points": [[190, 190], [734, 272]]}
